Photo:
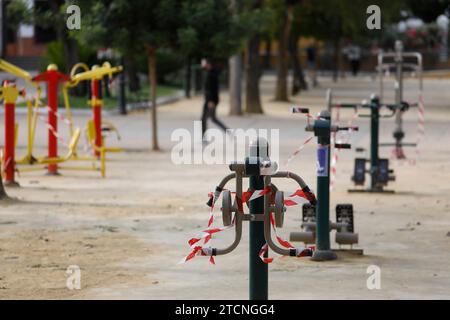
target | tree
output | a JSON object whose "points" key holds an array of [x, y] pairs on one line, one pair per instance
{"points": [[194, 28], [428, 10], [299, 82], [235, 73], [332, 21], [252, 76], [259, 18], [284, 32], [125, 26], [235, 84], [47, 15]]}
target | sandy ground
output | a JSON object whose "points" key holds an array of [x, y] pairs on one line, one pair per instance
{"points": [[127, 232]]}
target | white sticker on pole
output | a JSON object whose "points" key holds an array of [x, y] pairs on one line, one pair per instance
{"points": [[322, 161]]}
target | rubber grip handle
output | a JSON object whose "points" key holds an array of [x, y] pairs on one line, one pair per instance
{"points": [[343, 145], [299, 110]]}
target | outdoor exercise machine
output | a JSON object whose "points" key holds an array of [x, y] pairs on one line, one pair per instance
{"points": [[31, 114], [266, 212], [9, 94], [379, 170], [96, 126], [316, 225], [52, 77], [399, 61]]}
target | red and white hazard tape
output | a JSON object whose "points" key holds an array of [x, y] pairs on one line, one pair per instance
{"points": [[295, 198], [59, 115], [336, 151], [300, 252], [420, 123], [6, 164], [397, 154], [53, 131], [297, 151], [308, 140]]}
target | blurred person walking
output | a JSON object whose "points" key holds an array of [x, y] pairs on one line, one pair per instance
{"points": [[354, 58], [311, 60], [211, 96]]}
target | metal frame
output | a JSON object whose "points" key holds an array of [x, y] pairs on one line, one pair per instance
{"points": [[398, 63], [259, 216]]}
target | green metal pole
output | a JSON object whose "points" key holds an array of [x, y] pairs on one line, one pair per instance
{"points": [[259, 276], [374, 136], [323, 131]]}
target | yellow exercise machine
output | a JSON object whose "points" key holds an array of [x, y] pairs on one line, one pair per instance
{"points": [[95, 126], [32, 114], [52, 77]]}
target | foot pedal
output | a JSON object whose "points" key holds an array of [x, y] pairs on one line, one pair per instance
{"points": [[359, 173]]}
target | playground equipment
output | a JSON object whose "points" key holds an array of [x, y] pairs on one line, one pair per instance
{"points": [[52, 77], [379, 170], [31, 115], [267, 208], [316, 221], [96, 126], [400, 61], [9, 94]]}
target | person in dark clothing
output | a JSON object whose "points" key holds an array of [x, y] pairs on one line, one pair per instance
{"points": [[211, 96]]}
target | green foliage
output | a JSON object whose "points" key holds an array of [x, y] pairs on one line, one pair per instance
{"points": [[124, 25], [210, 29], [17, 12], [428, 10], [260, 16], [330, 19], [55, 54], [194, 28], [167, 63]]}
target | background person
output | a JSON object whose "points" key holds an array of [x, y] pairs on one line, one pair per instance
{"points": [[211, 89], [311, 60], [354, 57]]}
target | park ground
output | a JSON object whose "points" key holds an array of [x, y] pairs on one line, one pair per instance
{"points": [[128, 232]]}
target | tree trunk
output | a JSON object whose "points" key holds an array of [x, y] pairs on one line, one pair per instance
{"points": [[235, 84], [3, 194], [299, 82], [252, 76], [281, 92], [153, 84]]}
